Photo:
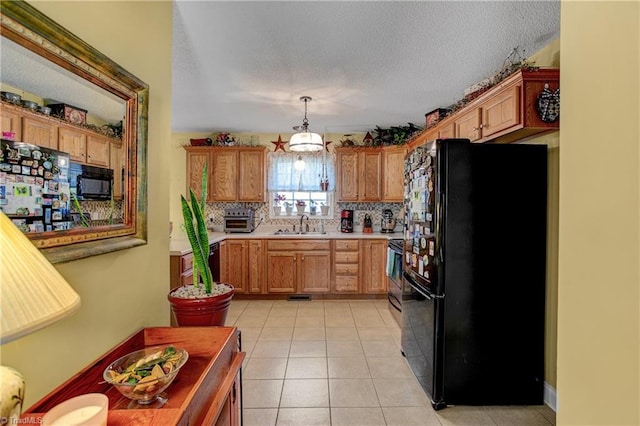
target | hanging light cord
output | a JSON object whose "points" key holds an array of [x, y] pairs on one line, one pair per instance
{"points": [[305, 121]]}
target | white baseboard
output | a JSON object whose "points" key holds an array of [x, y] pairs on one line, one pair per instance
{"points": [[550, 396]]}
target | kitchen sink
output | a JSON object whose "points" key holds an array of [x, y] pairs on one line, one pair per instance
{"points": [[287, 232]]}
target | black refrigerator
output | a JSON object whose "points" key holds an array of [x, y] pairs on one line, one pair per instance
{"points": [[473, 304]]}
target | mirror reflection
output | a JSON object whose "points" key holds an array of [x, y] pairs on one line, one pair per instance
{"points": [[50, 184], [73, 140]]}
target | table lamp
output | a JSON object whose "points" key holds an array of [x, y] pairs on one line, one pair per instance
{"points": [[33, 295]]}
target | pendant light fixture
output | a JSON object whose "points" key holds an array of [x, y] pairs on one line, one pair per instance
{"points": [[304, 140]]}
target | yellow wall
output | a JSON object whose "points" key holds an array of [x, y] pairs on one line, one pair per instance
{"points": [[126, 290], [598, 317]]}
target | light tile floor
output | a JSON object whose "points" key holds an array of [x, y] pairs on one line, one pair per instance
{"points": [[338, 362]]}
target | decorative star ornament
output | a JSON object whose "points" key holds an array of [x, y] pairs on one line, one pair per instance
{"points": [[279, 144]]}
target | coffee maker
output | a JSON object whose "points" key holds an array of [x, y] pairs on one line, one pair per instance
{"points": [[388, 222], [346, 221]]}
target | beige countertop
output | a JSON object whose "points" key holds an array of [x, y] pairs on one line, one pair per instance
{"points": [[179, 244]]}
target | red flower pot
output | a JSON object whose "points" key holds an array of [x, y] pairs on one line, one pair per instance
{"points": [[206, 311]]}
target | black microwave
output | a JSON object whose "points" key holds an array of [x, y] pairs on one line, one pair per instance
{"points": [[90, 183]]}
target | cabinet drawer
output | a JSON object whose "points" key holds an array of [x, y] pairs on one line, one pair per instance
{"points": [[186, 262], [347, 284], [347, 245], [346, 257], [298, 245], [186, 278], [346, 269]]}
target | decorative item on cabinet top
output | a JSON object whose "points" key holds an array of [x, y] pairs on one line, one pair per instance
{"points": [[69, 113], [548, 104]]}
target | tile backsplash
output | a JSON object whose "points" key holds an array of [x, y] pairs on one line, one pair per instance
{"points": [[215, 215]]}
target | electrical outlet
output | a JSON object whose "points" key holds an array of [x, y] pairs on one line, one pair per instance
{"points": [[261, 216]]}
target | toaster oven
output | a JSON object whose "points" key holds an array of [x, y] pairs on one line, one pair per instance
{"points": [[239, 220]]}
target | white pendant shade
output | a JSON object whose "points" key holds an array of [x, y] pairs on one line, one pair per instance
{"points": [[305, 141], [34, 294]]}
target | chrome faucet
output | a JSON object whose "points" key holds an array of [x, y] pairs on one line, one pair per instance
{"points": [[301, 219]]}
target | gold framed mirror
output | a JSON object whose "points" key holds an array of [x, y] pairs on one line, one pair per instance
{"points": [[97, 85]]}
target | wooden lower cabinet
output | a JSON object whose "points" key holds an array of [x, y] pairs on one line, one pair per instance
{"points": [[374, 261], [315, 271], [346, 266], [236, 272], [298, 266], [281, 272], [256, 266], [241, 265]]}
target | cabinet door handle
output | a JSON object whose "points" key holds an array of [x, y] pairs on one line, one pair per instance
{"points": [[303, 258]]}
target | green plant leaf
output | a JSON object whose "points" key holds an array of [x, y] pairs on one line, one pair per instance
{"points": [[203, 240], [199, 261]]}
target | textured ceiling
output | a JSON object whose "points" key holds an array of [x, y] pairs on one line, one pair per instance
{"points": [[242, 66]]}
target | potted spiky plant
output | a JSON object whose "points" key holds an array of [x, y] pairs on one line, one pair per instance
{"points": [[204, 302]]}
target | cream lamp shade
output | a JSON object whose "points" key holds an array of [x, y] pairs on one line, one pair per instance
{"points": [[34, 294], [304, 140]]}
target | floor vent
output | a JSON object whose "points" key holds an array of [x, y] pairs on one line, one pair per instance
{"points": [[299, 297]]}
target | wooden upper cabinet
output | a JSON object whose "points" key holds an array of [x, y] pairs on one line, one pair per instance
{"points": [[359, 174], [446, 130], [370, 174], [505, 113], [98, 151], [393, 174], [235, 173], [224, 175], [195, 165], [498, 113], [10, 121], [251, 169], [347, 174], [467, 125], [39, 131], [501, 111], [73, 142], [83, 145]]}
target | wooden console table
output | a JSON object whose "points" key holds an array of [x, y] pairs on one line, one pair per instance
{"points": [[205, 392]]}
